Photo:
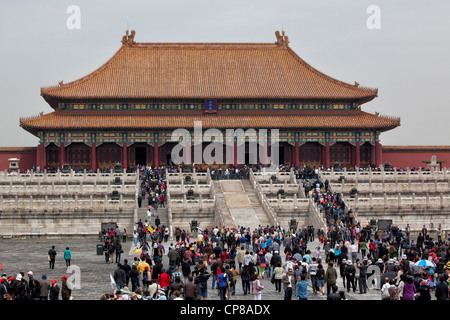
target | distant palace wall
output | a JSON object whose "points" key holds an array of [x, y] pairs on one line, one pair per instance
{"points": [[27, 156], [413, 156], [397, 156]]}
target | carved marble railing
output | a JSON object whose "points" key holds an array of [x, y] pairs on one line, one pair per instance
{"points": [[266, 176], [316, 218], [405, 201], [72, 176], [44, 204], [392, 187], [361, 176], [179, 177], [262, 198]]}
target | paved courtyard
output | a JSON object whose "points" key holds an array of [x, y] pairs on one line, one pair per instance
{"points": [[23, 255]]}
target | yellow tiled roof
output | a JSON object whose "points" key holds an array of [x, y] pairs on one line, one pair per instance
{"points": [[207, 70], [122, 120]]}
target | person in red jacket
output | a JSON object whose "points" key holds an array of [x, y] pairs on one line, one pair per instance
{"points": [[224, 256], [164, 281]]}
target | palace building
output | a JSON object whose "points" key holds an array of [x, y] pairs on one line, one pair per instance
{"points": [[126, 110]]}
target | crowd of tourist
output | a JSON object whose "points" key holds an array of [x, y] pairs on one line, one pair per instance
{"points": [[408, 269], [221, 259], [347, 257], [30, 287]]}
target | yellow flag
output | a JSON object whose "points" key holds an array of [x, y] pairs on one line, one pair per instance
{"points": [[150, 229]]}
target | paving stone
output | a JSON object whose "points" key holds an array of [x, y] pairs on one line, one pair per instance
{"points": [[23, 255]]}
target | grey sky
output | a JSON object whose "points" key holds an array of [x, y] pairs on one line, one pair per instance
{"points": [[407, 59]]}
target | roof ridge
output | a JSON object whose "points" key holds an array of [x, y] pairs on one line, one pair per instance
{"points": [[355, 86], [90, 75]]}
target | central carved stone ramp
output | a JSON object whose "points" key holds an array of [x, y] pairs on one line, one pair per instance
{"points": [[242, 204]]}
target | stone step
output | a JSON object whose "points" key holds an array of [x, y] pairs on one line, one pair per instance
{"points": [[161, 212]]}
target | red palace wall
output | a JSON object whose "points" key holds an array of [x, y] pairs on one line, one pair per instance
{"points": [[27, 156], [413, 156]]}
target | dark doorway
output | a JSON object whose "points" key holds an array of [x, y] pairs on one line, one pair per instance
{"points": [[280, 155], [141, 156], [281, 159], [169, 159]]}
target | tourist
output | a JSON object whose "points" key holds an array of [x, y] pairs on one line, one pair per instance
{"points": [[257, 287], [127, 269], [111, 249], [3, 290], [261, 264], [302, 288], [190, 290], [44, 288], [313, 267], [350, 273], [164, 280], [362, 279], [384, 290], [52, 257], [288, 284], [134, 277], [320, 275], [66, 292], [176, 286], [67, 256], [35, 293], [334, 295], [135, 237], [330, 277], [423, 291], [119, 250], [223, 283], [124, 235], [119, 277], [441, 291], [54, 290], [277, 275], [177, 295], [245, 279]]}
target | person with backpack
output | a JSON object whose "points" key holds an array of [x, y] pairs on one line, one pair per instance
{"points": [[313, 267], [223, 283], [119, 250], [232, 285]]}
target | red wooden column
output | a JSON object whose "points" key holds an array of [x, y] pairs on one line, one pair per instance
{"points": [[40, 156], [357, 154], [378, 154], [62, 154], [235, 156], [94, 157], [156, 155], [125, 155], [297, 154], [327, 155]]}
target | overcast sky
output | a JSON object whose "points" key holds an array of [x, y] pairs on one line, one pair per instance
{"points": [[407, 59]]}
